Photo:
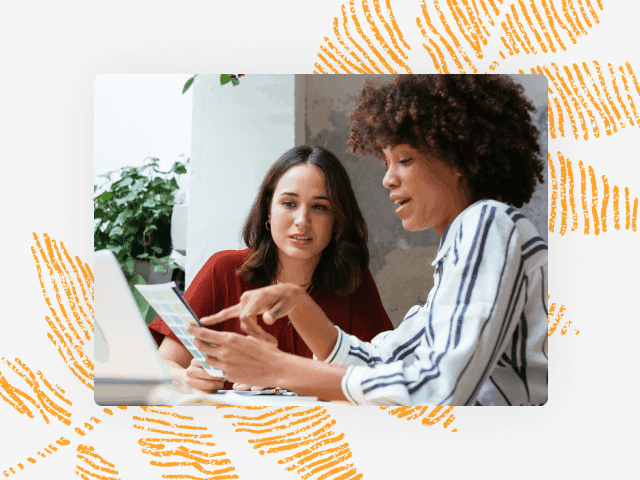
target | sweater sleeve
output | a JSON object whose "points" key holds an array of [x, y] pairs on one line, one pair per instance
{"points": [[443, 351]]}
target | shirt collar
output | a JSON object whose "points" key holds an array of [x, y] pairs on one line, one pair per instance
{"points": [[449, 234]]}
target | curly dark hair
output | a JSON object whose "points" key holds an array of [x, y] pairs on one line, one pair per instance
{"points": [[478, 124], [344, 260]]}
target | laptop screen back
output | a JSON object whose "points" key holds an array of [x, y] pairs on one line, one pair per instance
{"points": [[124, 349]]}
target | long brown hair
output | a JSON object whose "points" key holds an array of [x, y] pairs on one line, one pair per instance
{"points": [[344, 261]]}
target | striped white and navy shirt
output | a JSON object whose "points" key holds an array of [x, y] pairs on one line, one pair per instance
{"points": [[481, 338]]}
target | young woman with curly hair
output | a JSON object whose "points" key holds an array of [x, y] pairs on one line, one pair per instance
{"points": [[460, 152], [305, 229]]}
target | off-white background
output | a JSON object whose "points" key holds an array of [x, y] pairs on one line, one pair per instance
{"points": [[52, 53]]}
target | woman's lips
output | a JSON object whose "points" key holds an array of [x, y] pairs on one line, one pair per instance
{"points": [[300, 241], [402, 206]]}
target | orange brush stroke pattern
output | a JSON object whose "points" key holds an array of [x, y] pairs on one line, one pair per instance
{"points": [[555, 319], [522, 26], [95, 466], [589, 195], [572, 201], [437, 37], [381, 41], [594, 201], [557, 87], [438, 62], [71, 283], [595, 92], [605, 202], [42, 402], [386, 51], [86, 426], [49, 449], [429, 417], [554, 194], [178, 442], [616, 208], [453, 38], [552, 125], [626, 203], [563, 194], [346, 31], [304, 435], [467, 26], [394, 24]]}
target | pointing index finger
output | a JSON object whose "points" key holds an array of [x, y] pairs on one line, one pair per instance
{"points": [[221, 316]]}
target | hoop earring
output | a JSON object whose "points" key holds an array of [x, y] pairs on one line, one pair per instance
{"points": [[267, 225]]}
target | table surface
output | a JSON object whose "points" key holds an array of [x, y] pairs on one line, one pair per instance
{"points": [[169, 396]]}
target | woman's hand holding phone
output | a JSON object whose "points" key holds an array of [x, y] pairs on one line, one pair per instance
{"points": [[198, 379]]}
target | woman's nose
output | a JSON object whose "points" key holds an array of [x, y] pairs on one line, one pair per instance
{"points": [[302, 216], [390, 179]]}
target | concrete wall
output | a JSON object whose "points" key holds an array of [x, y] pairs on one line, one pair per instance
{"points": [[237, 134], [400, 260]]}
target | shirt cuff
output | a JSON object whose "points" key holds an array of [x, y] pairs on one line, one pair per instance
{"points": [[351, 384], [340, 350]]}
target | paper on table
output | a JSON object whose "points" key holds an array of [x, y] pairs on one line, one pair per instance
{"points": [[166, 300]]}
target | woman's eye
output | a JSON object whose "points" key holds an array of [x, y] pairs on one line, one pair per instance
{"points": [[289, 204], [404, 161], [321, 207]]}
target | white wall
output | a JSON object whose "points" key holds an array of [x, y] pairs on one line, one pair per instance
{"points": [[140, 116], [237, 134]]}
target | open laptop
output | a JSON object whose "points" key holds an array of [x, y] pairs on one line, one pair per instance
{"points": [[128, 368]]}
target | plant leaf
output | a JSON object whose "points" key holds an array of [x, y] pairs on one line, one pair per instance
{"points": [[116, 232], [150, 315], [148, 229], [138, 203], [161, 269], [235, 81], [123, 217], [224, 78], [179, 168], [188, 84], [142, 303], [129, 263], [125, 182]]}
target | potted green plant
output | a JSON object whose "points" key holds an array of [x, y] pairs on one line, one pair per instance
{"points": [[132, 215]]}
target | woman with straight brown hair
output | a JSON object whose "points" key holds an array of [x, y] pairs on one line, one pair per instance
{"points": [[305, 229]]}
